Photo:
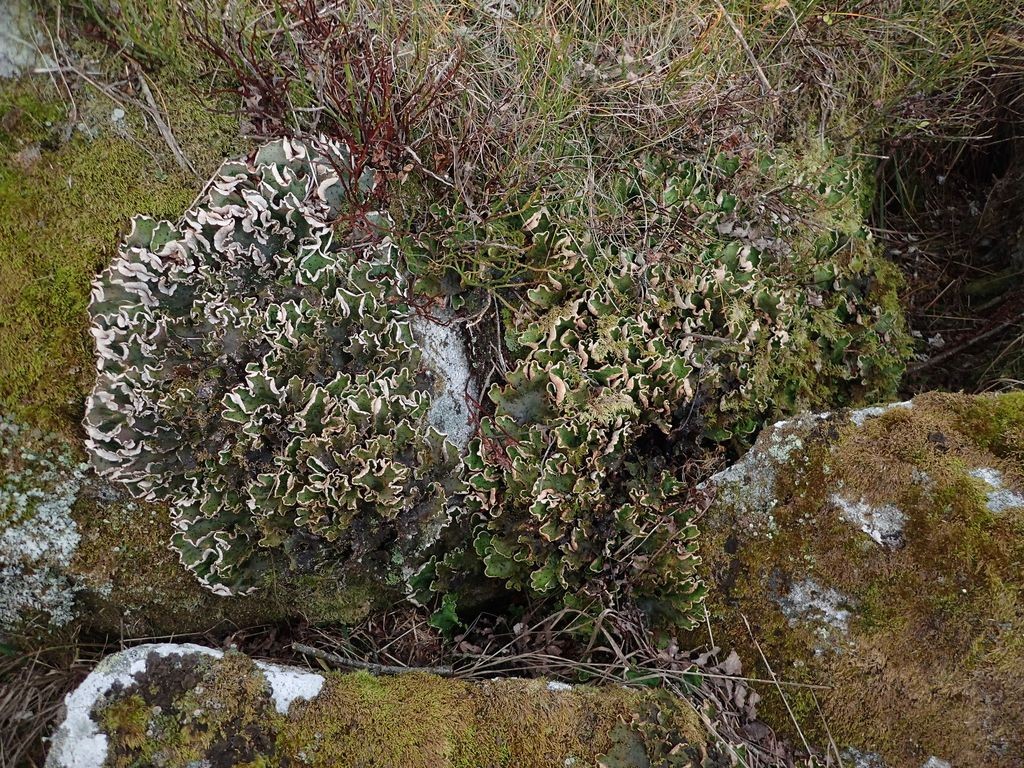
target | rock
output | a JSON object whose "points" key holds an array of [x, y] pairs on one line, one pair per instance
{"points": [[878, 553], [19, 38], [177, 705], [444, 354], [27, 157], [38, 535], [76, 552]]}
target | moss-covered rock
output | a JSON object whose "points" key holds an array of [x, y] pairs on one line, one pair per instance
{"points": [[178, 705], [878, 553], [78, 552]]}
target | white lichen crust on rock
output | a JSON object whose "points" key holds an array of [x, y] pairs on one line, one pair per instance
{"points": [[79, 741], [21, 39], [39, 483], [444, 355], [998, 497], [808, 601], [256, 367], [748, 485], [884, 523]]}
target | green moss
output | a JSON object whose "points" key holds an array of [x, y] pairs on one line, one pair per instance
{"points": [[413, 720], [60, 217], [931, 660], [126, 721], [136, 583], [323, 599], [29, 115], [189, 708], [997, 424]]}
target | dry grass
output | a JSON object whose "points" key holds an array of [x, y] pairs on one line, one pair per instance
{"points": [[476, 107], [32, 690]]}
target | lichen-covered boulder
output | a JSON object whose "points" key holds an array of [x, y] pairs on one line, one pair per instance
{"points": [[258, 369], [878, 554], [187, 705]]}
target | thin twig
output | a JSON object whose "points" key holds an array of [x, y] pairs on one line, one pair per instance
{"points": [[778, 686], [165, 129], [376, 669], [831, 741], [766, 86]]}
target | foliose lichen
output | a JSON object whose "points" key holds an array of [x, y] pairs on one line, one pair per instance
{"points": [[576, 496], [256, 367], [628, 356]]}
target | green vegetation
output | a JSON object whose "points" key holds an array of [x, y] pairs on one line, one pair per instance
{"points": [[651, 222], [928, 658], [222, 710], [529, 111], [625, 358]]}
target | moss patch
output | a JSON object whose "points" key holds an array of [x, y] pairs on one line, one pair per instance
{"points": [[67, 190], [929, 662], [136, 582], [189, 708]]}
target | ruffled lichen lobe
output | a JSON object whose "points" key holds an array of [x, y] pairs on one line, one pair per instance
{"points": [[627, 359], [257, 369], [80, 187], [890, 574]]}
